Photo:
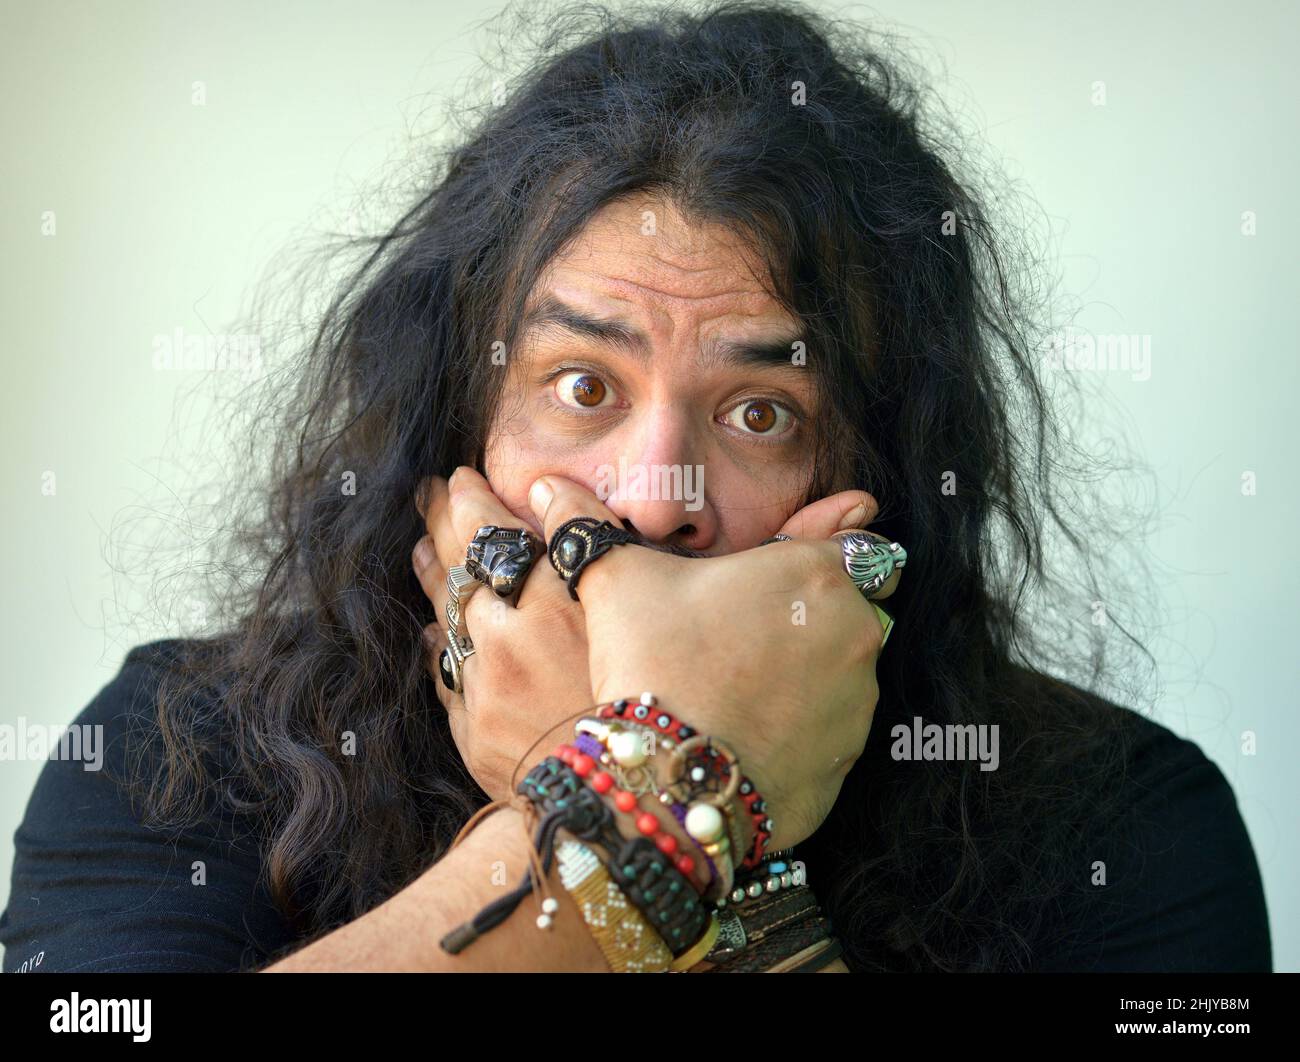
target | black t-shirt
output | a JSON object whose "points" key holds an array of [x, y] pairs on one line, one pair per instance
{"points": [[94, 889]]}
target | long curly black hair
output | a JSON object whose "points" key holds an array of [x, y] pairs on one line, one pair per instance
{"points": [[808, 136]]}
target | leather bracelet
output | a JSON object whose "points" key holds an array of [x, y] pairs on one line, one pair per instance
{"points": [[777, 946], [647, 877], [739, 932], [817, 961]]}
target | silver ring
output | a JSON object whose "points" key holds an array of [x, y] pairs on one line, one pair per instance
{"points": [[501, 557], [451, 662], [870, 559], [460, 585]]}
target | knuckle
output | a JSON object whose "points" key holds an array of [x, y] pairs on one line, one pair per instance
{"points": [[822, 569], [864, 639]]}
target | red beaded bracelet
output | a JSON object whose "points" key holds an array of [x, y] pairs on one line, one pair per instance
{"points": [[647, 823], [646, 711]]}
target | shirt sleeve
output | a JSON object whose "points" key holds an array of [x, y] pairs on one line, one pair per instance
{"points": [[96, 889], [1181, 890]]}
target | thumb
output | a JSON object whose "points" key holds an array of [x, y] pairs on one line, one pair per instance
{"points": [[838, 512], [555, 499]]}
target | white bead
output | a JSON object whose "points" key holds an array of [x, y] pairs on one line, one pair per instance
{"points": [[704, 822], [648, 698], [626, 748], [550, 905], [543, 921]]}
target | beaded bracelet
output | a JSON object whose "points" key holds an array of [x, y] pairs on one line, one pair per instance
{"points": [[583, 759], [774, 875], [621, 752], [628, 942], [701, 821], [644, 873], [646, 711]]}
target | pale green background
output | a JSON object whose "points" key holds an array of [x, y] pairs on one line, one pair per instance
{"points": [[170, 214]]}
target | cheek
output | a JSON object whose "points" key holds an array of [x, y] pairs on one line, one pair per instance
{"points": [[752, 504], [752, 494], [515, 458]]}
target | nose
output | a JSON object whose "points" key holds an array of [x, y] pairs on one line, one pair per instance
{"points": [[656, 490]]}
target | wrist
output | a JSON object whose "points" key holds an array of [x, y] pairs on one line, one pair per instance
{"points": [[709, 773]]}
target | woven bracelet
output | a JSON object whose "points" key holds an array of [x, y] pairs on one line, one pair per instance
{"points": [[647, 877], [777, 946]]}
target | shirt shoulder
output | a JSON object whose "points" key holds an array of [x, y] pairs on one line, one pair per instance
{"points": [[1169, 879], [97, 888]]}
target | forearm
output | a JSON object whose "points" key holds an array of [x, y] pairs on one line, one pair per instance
{"points": [[403, 933]]}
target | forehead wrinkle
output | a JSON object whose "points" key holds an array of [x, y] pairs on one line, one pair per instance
{"points": [[551, 314]]}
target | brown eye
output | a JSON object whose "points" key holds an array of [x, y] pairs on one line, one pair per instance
{"points": [[588, 390], [582, 389], [761, 417]]}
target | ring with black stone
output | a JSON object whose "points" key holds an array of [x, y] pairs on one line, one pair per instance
{"points": [[578, 542], [451, 662]]}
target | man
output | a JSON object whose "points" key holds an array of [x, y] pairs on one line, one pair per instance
{"points": [[720, 244]]}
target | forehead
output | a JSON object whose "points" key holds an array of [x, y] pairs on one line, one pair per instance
{"points": [[643, 257]]}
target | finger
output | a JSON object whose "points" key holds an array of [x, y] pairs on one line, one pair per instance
{"points": [[432, 575], [838, 512], [555, 499], [433, 580], [421, 495], [468, 504], [435, 641]]}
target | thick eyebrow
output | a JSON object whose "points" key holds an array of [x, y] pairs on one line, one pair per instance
{"points": [[551, 312]]}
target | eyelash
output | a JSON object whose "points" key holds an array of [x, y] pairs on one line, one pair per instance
{"points": [[796, 417]]}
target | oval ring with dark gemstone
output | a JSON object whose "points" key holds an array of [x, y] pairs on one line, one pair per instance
{"points": [[578, 542]]}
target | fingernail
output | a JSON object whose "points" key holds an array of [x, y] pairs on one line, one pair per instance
{"points": [[422, 497], [451, 480], [539, 498], [853, 518], [424, 553]]}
